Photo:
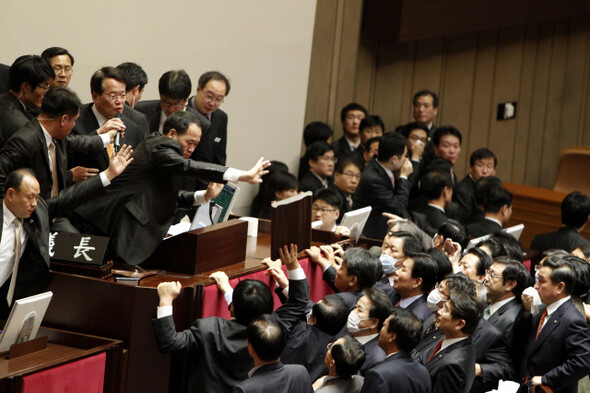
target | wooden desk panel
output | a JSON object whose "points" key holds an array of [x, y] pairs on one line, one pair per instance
{"points": [[539, 209]]}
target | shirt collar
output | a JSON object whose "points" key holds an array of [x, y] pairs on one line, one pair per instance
{"points": [[493, 220], [365, 339], [450, 341], [551, 308], [8, 216], [389, 173], [437, 207], [48, 138], [496, 306], [351, 144], [99, 117], [405, 303]]}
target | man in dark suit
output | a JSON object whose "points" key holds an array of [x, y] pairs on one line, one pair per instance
{"points": [[29, 79], [505, 281], [498, 209], [43, 145], [347, 174], [482, 163], [344, 358], [379, 187], [217, 348], [450, 362], [135, 81], [349, 145], [24, 263], [474, 264], [365, 322], [266, 339], [575, 211], [559, 340], [212, 89], [62, 63], [413, 280], [307, 341], [437, 186], [399, 335], [425, 109], [137, 210], [321, 167], [359, 270], [107, 86]]}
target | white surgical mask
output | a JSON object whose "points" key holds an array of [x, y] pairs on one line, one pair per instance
{"points": [[433, 300], [352, 325], [387, 263]]}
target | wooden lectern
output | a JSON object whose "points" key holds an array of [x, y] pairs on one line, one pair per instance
{"points": [[202, 250], [291, 223]]}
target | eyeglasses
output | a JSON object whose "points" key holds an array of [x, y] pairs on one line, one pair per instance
{"points": [[322, 209], [211, 98], [45, 86], [114, 97], [58, 69], [492, 275], [440, 289], [327, 158], [169, 104], [351, 175], [329, 346]]}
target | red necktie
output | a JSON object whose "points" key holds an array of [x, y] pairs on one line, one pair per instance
{"points": [[541, 322], [435, 349]]}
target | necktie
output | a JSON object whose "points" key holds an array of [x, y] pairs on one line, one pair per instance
{"points": [[18, 225], [436, 349], [543, 316], [53, 157], [486, 313], [111, 150]]}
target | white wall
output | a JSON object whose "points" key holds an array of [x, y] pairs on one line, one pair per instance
{"points": [[263, 46]]}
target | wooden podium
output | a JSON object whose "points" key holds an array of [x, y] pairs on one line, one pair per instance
{"points": [[291, 223], [203, 249]]}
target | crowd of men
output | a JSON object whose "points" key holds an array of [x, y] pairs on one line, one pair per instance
{"points": [[418, 314]]}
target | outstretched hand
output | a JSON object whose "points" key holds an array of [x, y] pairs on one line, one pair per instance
{"points": [[119, 162], [168, 291], [254, 175]]}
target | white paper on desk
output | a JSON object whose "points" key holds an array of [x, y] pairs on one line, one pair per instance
{"points": [[177, 229]]}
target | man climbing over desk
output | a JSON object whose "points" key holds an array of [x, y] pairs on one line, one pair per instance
{"points": [[216, 347]]}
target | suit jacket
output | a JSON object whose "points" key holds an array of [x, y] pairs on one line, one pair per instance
{"points": [[344, 207], [342, 150], [352, 384], [560, 352], [4, 78], [398, 373], [374, 355], [505, 319], [87, 125], [451, 369], [218, 132], [419, 307], [482, 228], [203, 152], [13, 114], [28, 148], [138, 207], [138, 118], [310, 182], [217, 348], [565, 238], [428, 218], [464, 196], [375, 189], [33, 269], [307, 346], [292, 378]]}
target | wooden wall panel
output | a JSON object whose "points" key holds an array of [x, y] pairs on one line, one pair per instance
{"points": [[544, 66], [507, 72], [525, 103], [457, 88]]}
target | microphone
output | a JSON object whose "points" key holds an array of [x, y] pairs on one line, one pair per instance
{"points": [[117, 143]]}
